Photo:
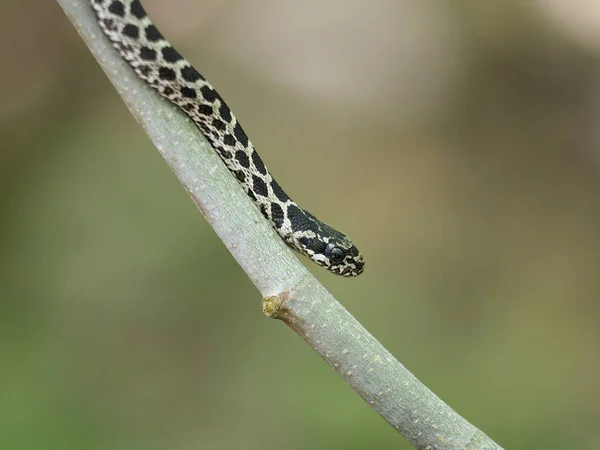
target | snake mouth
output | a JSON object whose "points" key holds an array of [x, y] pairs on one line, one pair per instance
{"points": [[360, 267], [352, 269]]}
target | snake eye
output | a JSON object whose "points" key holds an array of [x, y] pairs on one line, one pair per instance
{"points": [[336, 255]]}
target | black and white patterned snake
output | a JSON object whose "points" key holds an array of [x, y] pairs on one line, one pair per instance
{"points": [[139, 42]]}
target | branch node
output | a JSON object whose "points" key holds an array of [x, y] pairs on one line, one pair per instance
{"points": [[273, 306]]}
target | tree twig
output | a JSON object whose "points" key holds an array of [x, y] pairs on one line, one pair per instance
{"points": [[290, 293]]}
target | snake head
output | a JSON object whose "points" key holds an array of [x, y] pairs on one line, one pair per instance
{"points": [[326, 246], [335, 253]]}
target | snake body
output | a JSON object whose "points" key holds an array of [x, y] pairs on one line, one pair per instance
{"points": [[139, 42]]}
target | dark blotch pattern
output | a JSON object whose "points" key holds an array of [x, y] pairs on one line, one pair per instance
{"points": [[242, 159], [205, 110], [137, 9], [260, 166], [152, 33], [171, 55], [188, 93], [117, 8], [166, 74], [315, 245], [218, 124], [279, 193], [190, 74], [210, 95], [228, 139], [225, 112], [240, 134], [300, 220], [277, 215], [131, 30], [147, 54], [259, 185]]}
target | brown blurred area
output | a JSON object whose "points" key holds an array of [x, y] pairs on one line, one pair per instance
{"points": [[458, 144]]}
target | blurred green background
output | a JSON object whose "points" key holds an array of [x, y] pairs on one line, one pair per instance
{"points": [[458, 143]]}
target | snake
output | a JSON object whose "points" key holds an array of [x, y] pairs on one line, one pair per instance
{"points": [[138, 41]]}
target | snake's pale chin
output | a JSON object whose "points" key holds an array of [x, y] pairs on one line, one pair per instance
{"points": [[353, 269], [155, 61]]}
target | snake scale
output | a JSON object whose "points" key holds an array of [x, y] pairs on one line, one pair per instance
{"points": [[139, 42]]}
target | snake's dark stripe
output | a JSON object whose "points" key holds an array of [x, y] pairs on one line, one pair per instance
{"points": [[140, 43]]}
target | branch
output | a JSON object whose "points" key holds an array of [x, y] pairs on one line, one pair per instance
{"points": [[290, 293]]}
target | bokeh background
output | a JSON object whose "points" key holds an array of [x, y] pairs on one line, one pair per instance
{"points": [[458, 143]]}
